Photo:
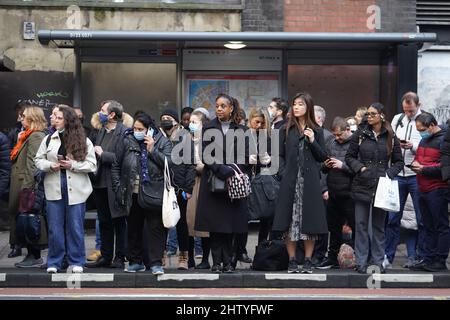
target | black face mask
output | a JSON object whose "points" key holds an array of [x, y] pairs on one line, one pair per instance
{"points": [[166, 124]]}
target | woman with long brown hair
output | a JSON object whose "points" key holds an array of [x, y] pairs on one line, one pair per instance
{"points": [[23, 172], [66, 157], [300, 211]]}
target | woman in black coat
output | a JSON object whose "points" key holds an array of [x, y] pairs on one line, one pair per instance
{"points": [[137, 176], [216, 212], [300, 210], [371, 149]]}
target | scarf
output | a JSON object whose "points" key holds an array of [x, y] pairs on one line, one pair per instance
{"points": [[22, 138], [143, 159]]}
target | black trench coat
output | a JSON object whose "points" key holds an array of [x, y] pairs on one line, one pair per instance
{"points": [[314, 214], [215, 211]]}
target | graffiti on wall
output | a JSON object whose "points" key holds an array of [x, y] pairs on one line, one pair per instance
{"points": [[434, 83]]}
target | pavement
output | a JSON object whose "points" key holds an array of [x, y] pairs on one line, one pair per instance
{"points": [[244, 277]]}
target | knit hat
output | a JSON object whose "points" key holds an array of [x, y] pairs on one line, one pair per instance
{"points": [[170, 112], [204, 111]]}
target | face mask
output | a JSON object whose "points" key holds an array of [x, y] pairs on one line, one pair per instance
{"points": [[139, 135], [353, 128], [103, 118], [425, 134], [61, 130], [167, 124], [194, 127]]}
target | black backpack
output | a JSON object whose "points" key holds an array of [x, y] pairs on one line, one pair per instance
{"points": [[271, 255]]}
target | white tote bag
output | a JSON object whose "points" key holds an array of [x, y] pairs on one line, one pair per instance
{"points": [[170, 209], [387, 196]]}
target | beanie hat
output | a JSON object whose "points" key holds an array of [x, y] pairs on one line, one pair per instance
{"points": [[204, 111], [171, 112]]}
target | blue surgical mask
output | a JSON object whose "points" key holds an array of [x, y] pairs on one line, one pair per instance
{"points": [[425, 134], [139, 135], [194, 127], [103, 118]]}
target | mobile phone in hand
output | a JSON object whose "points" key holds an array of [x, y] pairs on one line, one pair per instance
{"points": [[408, 165], [403, 141]]}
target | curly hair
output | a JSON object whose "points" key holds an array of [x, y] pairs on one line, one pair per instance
{"points": [[74, 137]]}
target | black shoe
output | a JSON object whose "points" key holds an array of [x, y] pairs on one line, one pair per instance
{"points": [[228, 269], [293, 266], [328, 263], [203, 265], [244, 258], [100, 263], [191, 264], [15, 252], [217, 268], [118, 263], [361, 269], [419, 266], [435, 266], [307, 266]]}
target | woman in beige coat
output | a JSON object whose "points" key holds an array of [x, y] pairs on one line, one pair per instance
{"points": [[23, 173], [199, 117]]}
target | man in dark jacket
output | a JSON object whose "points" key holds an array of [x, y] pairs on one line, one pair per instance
{"points": [[340, 206], [445, 156], [278, 110], [5, 169], [111, 218], [433, 194]]}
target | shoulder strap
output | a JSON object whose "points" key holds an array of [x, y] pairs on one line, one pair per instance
{"points": [[399, 122], [47, 141]]}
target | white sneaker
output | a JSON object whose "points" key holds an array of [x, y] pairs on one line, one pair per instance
{"points": [[386, 264], [52, 270], [77, 269]]}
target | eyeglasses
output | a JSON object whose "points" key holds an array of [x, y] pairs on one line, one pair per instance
{"points": [[372, 114]]}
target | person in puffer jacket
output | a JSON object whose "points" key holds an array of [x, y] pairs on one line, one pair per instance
{"points": [[374, 152], [433, 194]]}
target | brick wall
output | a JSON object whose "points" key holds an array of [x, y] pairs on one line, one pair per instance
{"points": [[326, 15], [262, 15]]}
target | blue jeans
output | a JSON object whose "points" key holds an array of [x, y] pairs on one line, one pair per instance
{"points": [[415, 239], [98, 241], [172, 240], [198, 245], [65, 230], [435, 219]]}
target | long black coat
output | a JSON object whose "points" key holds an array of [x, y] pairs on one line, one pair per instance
{"points": [[445, 157], [314, 214], [370, 152], [5, 165], [215, 211]]}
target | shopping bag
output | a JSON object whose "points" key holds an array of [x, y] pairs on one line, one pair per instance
{"points": [[170, 209], [387, 196]]}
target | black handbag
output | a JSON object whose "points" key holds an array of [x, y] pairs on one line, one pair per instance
{"points": [[271, 255], [215, 184], [261, 202], [151, 194], [28, 228]]}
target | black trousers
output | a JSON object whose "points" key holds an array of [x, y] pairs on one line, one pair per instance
{"points": [[110, 227], [156, 234], [265, 226], [221, 247], [240, 244], [340, 210], [182, 227]]}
